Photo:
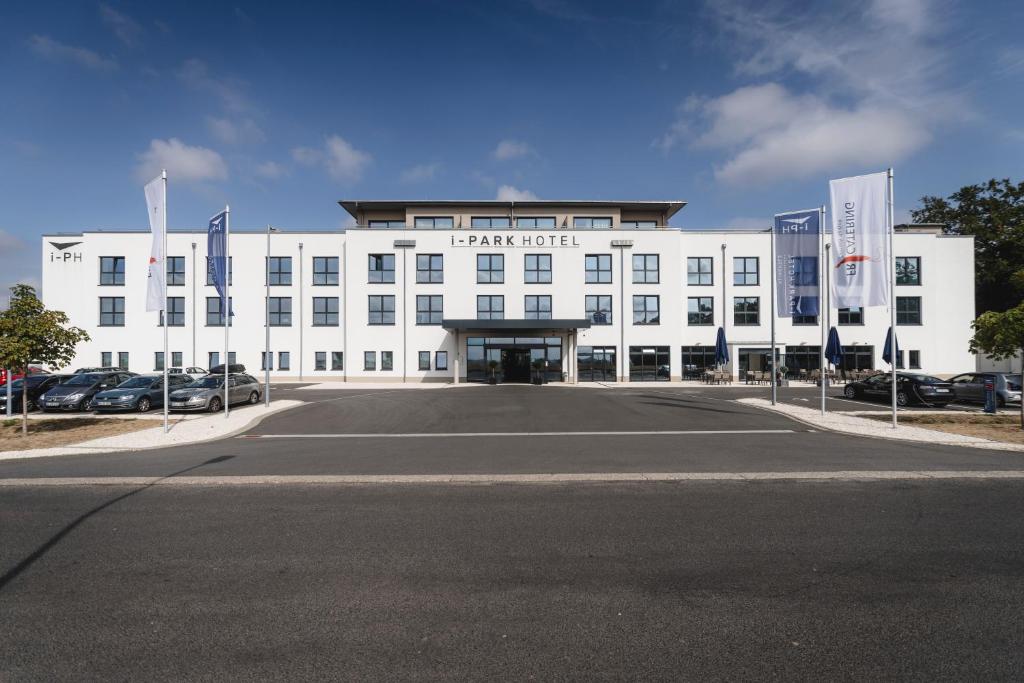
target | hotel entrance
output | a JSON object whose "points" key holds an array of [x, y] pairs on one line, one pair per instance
{"points": [[511, 359]]}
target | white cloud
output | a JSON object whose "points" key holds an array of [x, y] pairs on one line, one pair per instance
{"points": [[231, 132], [183, 162], [271, 170], [124, 27], [342, 161], [507, 193], [420, 173], [55, 51], [512, 149]]}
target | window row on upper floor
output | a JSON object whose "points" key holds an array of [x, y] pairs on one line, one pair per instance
{"points": [[506, 222]]}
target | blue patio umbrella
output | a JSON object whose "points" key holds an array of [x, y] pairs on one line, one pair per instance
{"points": [[887, 354], [721, 348], [834, 350]]}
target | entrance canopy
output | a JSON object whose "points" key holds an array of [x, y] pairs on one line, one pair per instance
{"points": [[472, 324]]}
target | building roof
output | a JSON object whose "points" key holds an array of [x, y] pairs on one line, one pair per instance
{"points": [[669, 208]]}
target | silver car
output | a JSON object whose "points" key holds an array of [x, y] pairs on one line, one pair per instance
{"points": [[208, 393], [970, 386]]}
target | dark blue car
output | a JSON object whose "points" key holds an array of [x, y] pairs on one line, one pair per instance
{"points": [[140, 393]]}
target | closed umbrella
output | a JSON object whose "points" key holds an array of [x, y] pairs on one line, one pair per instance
{"points": [[721, 348], [834, 350], [887, 353]]}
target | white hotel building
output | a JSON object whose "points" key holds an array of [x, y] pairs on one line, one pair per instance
{"points": [[427, 291]]}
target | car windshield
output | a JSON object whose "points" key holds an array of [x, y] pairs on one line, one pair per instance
{"points": [[83, 380], [16, 384], [1012, 382], [206, 383], [136, 382], [926, 379]]}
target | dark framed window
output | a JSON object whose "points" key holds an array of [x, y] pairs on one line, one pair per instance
{"points": [[279, 311], [320, 360], [908, 270], [111, 270], [266, 358], [700, 310], [597, 363], [637, 225], [111, 311], [700, 270], [490, 268], [492, 222], [284, 360], [908, 310], [214, 314], [434, 222], [158, 361], [337, 360], [598, 268], [429, 268], [429, 309], [176, 359], [441, 360], [424, 360], [393, 224], [325, 311], [490, 307], [382, 310], [915, 360], [381, 268], [899, 360], [175, 312], [851, 316], [646, 309], [598, 308], [122, 360], [325, 270], [231, 271], [212, 359], [805, 319], [645, 269], [537, 307], [369, 360], [279, 270], [175, 271], [801, 358], [746, 310], [387, 360], [696, 359], [536, 222], [649, 364], [745, 271], [106, 359], [537, 269], [592, 222]]}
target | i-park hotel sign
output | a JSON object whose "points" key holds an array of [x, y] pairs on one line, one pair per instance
{"points": [[63, 252]]}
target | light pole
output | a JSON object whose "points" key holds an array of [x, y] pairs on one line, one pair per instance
{"points": [[267, 358]]}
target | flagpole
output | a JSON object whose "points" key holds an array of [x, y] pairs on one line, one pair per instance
{"points": [[167, 321], [822, 271], [892, 297], [771, 296], [227, 304]]}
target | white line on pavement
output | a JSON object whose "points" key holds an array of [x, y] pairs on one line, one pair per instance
{"points": [[534, 434]]}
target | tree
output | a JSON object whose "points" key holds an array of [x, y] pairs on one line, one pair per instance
{"points": [[1001, 335], [29, 333], [994, 214]]}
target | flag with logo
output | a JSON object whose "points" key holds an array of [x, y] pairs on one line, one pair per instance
{"points": [[156, 199], [216, 248], [860, 244], [796, 263]]}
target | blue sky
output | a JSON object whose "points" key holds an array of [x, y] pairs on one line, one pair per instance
{"points": [[281, 109]]}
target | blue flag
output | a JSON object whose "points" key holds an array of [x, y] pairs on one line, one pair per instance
{"points": [[216, 247], [796, 263]]}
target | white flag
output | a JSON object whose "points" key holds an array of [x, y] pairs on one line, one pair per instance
{"points": [[860, 243], [156, 199]]}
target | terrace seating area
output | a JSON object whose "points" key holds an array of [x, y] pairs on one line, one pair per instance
{"points": [[716, 377]]}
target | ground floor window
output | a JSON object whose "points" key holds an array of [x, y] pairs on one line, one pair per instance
{"points": [[424, 360], [213, 358], [858, 358], [649, 364], [122, 360], [512, 358], [337, 360], [176, 359], [265, 359], [387, 360], [697, 359], [158, 361], [799, 358], [756, 360], [369, 360], [106, 359], [284, 360], [915, 359], [320, 360], [441, 360], [596, 363]]}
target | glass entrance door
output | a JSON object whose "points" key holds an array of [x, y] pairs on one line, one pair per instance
{"points": [[515, 364], [596, 363], [649, 364]]}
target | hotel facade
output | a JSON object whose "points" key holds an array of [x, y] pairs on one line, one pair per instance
{"points": [[423, 291]]}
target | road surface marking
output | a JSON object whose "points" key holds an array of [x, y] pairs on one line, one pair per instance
{"points": [[479, 434]]}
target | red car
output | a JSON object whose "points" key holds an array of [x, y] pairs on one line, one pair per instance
{"points": [[32, 370]]}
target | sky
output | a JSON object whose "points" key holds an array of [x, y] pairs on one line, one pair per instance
{"points": [[743, 109]]}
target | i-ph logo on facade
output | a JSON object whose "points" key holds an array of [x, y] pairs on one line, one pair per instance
{"points": [[62, 255]]}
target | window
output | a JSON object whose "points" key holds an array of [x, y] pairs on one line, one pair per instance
{"points": [[746, 310], [424, 360], [490, 268], [393, 224], [369, 360], [320, 360], [915, 360], [908, 270], [490, 307], [598, 308], [175, 312], [637, 225], [645, 310], [111, 311], [649, 364], [699, 270], [598, 268], [231, 271], [908, 310], [744, 270], [696, 359], [325, 311], [213, 359], [175, 271], [106, 359], [176, 359], [596, 363], [111, 270], [279, 311], [337, 360], [434, 223], [700, 310], [325, 270], [122, 360], [538, 307], [538, 269], [382, 268], [158, 361], [387, 360], [851, 316], [279, 270], [490, 222], [429, 268], [645, 268], [800, 358], [805, 319], [214, 314], [441, 360], [536, 222], [284, 360], [899, 359], [382, 310], [264, 359], [429, 309], [592, 222]]}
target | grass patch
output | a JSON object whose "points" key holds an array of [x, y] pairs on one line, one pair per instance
{"points": [[49, 433], [1001, 427]]}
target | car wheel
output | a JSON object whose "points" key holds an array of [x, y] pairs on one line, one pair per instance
{"points": [[144, 405], [1000, 401], [850, 392], [902, 399], [254, 398], [86, 405], [215, 405]]}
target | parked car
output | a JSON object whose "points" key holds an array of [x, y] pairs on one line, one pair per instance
{"points": [[140, 393], [106, 368], [208, 393], [17, 374], [233, 368], [910, 388], [194, 371], [78, 391], [970, 386], [37, 385]]}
